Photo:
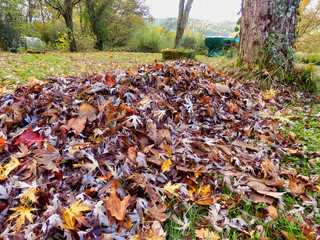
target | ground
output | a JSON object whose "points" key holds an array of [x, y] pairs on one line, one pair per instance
{"points": [[179, 148]]}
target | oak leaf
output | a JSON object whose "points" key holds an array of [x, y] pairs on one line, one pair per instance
{"points": [[116, 206], [73, 215], [76, 123]]}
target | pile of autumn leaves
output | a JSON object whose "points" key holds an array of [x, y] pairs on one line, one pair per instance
{"points": [[115, 156]]}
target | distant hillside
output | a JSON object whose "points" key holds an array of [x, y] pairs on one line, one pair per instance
{"points": [[207, 28]]}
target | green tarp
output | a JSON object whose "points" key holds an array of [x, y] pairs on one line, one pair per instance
{"points": [[219, 46]]}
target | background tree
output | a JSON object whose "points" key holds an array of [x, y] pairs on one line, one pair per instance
{"points": [[96, 10], [65, 8], [268, 32], [184, 10]]}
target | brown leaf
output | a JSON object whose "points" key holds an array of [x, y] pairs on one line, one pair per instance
{"points": [[76, 123], [49, 157], [86, 110], [132, 154], [116, 206], [296, 188], [273, 212], [110, 82], [244, 145], [222, 88], [263, 189], [260, 198], [158, 212]]}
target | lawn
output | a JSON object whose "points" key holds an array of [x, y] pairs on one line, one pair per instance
{"points": [[272, 134]]}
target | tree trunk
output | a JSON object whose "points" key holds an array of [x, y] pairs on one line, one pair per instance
{"points": [[182, 21], [267, 34], [95, 12], [69, 23]]}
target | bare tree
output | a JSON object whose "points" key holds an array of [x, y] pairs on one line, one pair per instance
{"points": [[65, 8], [184, 10], [267, 34]]}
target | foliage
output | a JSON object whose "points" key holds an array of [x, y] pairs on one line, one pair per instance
{"points": [[194, 42], [171, 54], [85, 42], [148, 40], [8, 36]]}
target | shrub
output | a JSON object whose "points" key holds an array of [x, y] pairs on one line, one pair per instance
{"points": [[148, 40], [171, 54]]}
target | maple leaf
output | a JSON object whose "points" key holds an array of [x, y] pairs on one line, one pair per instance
{"points": [[49, 157], [29, 195], [116, 206], [206, 234], [21, 214], [6, 169], [172, 189], [29, 137], [73, 215]]}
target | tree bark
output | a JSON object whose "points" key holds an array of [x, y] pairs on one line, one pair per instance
{"points": [[183, 16], [267, 33]]}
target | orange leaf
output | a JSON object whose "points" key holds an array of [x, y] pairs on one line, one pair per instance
{"points": [[116, 206], [76, 123], [73, 215], [110, 82], [206, 234], [273, 212], [132, 154], [88, 111]]}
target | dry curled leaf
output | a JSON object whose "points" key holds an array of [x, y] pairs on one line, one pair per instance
{"points": [[49, 157]]}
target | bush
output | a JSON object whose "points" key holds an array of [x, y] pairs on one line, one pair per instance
{"points": [[148, 40], [194, 42], [171, 54]]}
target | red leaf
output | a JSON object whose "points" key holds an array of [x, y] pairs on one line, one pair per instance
{"points": [[29, 137], [110, 82]]}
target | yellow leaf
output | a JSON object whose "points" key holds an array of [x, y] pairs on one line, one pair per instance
{"points": [[206, 234], [172, 188], [88, 111], [204, 191], [30, 195], [166, 165], [269, 94], [21, 213], [73, 215], [168, 149], [5, 171]]}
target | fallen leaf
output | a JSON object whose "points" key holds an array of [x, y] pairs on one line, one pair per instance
{"points": [[73, 215], [86, 110], [110, 82], [206, 234], [21, 214], [158, 212], [132, 154], [273, 212], [166, 165], [296, 188], [6, 169], [76, 123], [172, 189], [116, 206], [260, 198], [49, 157], [29, 137]]}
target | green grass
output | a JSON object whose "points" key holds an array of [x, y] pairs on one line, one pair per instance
{"points": [[19, 68]]}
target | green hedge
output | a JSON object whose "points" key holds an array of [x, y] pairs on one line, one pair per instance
{"points": [[171, 54]]}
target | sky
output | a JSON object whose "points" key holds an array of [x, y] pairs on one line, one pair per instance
{"points": [[213, 10]]}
